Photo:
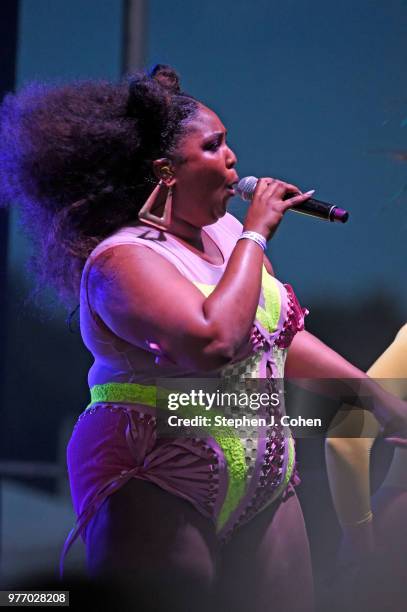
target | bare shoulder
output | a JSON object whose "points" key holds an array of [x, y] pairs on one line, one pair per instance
{"points": [[123, 260], [392, 363], [135, 290], [401, 337], [133, 272]]}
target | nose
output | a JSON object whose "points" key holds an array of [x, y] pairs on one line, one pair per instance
{"points": [[231, 158]]}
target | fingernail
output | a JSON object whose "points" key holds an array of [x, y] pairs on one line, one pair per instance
{"points": [[310, 192]]}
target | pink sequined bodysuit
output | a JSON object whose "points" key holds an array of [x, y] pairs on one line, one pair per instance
{"points": [[228, 480]]}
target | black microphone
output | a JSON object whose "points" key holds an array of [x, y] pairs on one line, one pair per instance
{"points": [[315, 208]]}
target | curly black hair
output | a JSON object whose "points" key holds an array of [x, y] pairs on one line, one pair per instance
{"points": [[77, 159]]}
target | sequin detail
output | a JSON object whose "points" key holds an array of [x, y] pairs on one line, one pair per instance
{"points": [[294, 320], [91, 409], [273, 475]]}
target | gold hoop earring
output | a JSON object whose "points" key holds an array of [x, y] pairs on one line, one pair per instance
{"points": [[164, 222], [166, 170]]}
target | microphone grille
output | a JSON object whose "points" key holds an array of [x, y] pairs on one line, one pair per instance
{"points": [[246, 186]]}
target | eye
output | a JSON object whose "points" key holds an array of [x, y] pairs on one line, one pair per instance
{"points": [[214, 144]]}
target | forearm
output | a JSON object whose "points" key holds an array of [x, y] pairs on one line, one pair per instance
{"points": [[231, 307], [312, 361]]}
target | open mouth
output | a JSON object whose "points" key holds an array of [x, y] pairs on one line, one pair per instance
{"points": [[232, 187]]}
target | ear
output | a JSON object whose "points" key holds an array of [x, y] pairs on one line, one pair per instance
{"points": [[164, 171]]}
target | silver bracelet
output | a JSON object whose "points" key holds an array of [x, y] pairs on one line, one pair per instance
{"points": [[258, 238]]}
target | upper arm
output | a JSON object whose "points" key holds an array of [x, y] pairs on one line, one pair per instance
{"points": [[143, 298]]}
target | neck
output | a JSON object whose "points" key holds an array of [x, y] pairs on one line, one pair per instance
{"points": [[186, 231], [183, 230]]}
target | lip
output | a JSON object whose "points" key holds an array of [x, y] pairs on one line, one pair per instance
{"points": [[234, 180], [230, 185]]}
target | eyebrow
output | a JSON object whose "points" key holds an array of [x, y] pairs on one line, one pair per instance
{"points": [[219, 133]]}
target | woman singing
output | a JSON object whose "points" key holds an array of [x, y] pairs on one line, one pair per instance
{"points": [[125, 189]]}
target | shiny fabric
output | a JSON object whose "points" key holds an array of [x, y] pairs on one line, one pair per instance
{"points": [[227, 480]]}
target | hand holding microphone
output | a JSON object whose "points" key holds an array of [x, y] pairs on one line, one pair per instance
{"points": [[270, 199], [250, 187]]}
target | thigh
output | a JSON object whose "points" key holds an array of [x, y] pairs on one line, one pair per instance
{"points": [[267, 564], [155, 541]]}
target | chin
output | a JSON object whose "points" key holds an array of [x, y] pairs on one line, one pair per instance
{"points": [[218, 214], [217, 211], [221, 210]]}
